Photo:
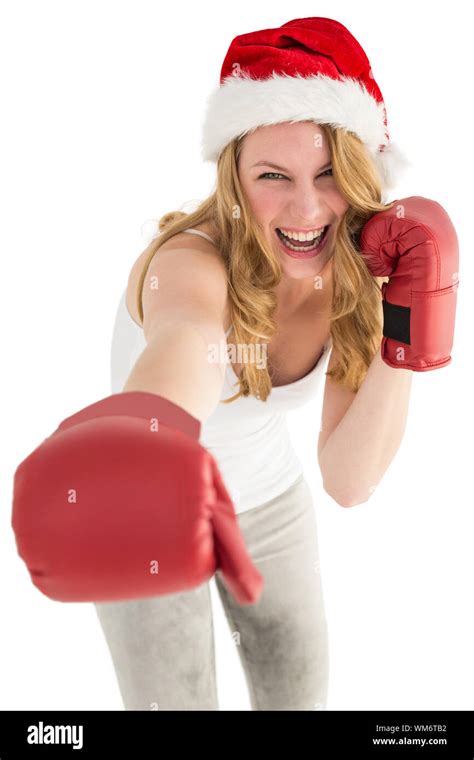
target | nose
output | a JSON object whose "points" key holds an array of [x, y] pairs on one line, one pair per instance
{"points": [[307, 205]]}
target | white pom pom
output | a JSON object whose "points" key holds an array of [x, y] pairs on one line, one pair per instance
{"points": [[391, 164]]}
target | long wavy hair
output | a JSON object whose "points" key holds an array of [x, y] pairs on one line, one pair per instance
{"points": [[253, 270]]}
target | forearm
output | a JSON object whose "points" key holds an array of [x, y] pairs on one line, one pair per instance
{"points": [[361, 447], [175, 364]]}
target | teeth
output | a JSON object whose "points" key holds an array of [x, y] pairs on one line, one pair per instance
{"points": [[307, 246], [302, 236]]}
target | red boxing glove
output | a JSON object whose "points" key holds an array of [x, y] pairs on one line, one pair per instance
{"points": [[415, 244], [122, 502]]}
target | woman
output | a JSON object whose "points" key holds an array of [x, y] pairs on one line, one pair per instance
{"points": [[283, 265], [242, 281], [163, 648]]}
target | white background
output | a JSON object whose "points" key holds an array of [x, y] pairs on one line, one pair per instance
{"points": [[102, 105]]}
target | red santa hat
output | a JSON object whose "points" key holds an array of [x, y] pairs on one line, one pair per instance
{"points": [[309, 69]]}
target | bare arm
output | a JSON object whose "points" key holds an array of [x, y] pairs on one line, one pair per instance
{"points": [[184, 305], [361, 433]]}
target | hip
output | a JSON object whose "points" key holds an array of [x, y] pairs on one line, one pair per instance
{"points": [[283, 525]]}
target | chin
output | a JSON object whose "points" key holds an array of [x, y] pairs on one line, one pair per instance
{"points": [[299, 270]]}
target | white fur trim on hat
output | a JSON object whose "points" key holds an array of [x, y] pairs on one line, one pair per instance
{"points": [[241, 104]]}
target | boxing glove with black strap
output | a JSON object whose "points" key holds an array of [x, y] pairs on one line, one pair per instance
{"points": [[415, 244]]}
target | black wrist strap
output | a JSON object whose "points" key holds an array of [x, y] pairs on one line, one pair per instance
{"points": [[396, 322]]}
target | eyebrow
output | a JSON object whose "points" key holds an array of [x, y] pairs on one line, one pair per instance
{"points": [[282, 168]]}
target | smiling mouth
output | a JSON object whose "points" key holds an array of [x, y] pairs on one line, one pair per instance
{"points": [[305, 246]]}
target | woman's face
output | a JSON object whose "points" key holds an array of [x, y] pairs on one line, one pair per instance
{"points": [[300, 195]]}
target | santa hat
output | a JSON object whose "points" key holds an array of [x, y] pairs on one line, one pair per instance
{"points": [[309, 69]]}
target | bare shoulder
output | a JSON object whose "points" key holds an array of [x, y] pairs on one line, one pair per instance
{"points": [[185, 265]]}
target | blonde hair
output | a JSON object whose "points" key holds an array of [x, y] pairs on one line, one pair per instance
{"points": [[253, 270]]}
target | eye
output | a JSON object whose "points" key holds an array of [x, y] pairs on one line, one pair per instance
{"points": [[271, 175]]}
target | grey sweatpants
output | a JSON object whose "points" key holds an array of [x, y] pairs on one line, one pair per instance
{"points": [[162, 647]]}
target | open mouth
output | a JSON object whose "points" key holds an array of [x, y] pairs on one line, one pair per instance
{"points": [[300, 248]]}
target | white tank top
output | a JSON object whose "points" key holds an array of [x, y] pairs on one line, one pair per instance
{"points": [[249, 438]]}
